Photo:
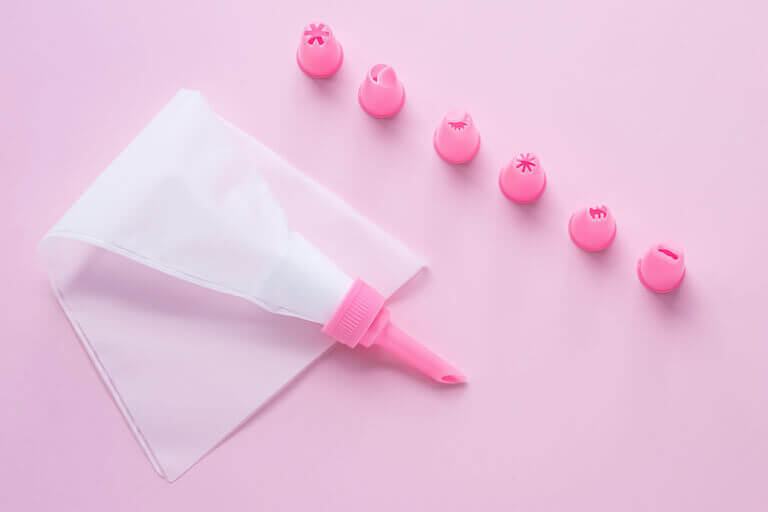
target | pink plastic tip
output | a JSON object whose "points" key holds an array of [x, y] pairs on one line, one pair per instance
{"points": [[417, 356], [381, 94], [319, 54], [523, 180], [662, 268], [457, 139], [362, 320], [593, 228]]}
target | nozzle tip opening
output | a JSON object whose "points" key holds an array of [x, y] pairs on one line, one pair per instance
{"points": [[453, 379]]}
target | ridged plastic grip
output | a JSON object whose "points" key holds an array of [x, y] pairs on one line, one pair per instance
{"points": [[355, 314]]}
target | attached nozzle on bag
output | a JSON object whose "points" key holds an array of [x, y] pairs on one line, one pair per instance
{"points": [[361, 319]]}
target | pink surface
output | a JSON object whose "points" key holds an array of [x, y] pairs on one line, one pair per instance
{"points": [[588, 392]]}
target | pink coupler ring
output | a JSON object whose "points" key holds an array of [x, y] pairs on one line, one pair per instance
{"points": [[662, 268], [381, 94], [319, 54], [457, 139], [592, 228], [523, 180]]}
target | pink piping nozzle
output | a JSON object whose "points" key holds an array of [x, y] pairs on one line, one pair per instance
{"points": [[381, 94], [319, 54], [593, 228], [362, 319], [457, 139], [662, 268], [523, 180]]}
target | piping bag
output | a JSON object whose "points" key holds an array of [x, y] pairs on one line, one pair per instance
{"points": [[152, 263]]}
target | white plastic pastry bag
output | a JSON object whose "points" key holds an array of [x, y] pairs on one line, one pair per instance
{"points": [[152, 264]]}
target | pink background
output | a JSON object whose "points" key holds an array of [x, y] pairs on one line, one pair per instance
{"points": [[588, 393]]}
